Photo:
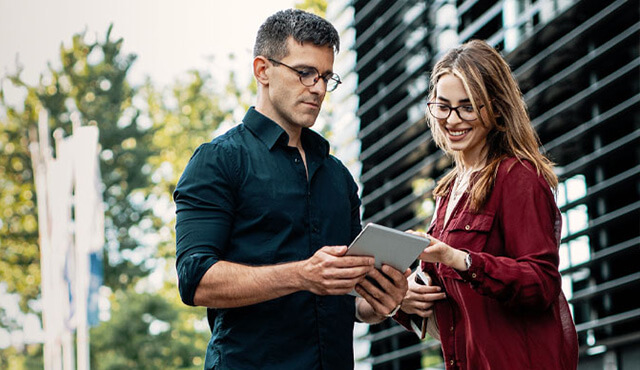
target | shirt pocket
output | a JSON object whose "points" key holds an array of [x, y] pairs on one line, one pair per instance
{"points": [[470, 231]]}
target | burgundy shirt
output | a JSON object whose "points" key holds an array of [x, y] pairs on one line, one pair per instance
{"points": [[508, 311]]}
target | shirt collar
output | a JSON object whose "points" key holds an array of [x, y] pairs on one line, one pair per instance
{"points": [[270, 133]]}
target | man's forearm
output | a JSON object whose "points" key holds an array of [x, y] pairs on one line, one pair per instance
{"points": [[228, 284]]}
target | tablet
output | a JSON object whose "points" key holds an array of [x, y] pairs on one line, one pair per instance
{"points": [[389, 246]]}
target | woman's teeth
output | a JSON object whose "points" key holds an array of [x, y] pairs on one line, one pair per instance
{"points": [[458, 133]]}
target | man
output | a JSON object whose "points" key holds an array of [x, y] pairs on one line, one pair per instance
{"points": [[264, 215]]}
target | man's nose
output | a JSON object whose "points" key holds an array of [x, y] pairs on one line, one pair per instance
{"points": [[320, 87]]}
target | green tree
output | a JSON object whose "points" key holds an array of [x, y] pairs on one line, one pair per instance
{"points": [[159, 332], [19, 254], [318, 7], [91, 84], [147, 136], [27, 358]]}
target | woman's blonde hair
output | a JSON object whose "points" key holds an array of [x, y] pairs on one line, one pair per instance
{"points": [[488, 82]]}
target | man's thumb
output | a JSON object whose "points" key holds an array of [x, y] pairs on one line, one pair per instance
{"points": [[335, 250]]}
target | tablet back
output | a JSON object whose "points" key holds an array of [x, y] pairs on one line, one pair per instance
{"points": [[389, 246]]}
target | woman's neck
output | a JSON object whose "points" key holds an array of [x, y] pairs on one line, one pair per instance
{"points": [[473, 161], [471, 167]]}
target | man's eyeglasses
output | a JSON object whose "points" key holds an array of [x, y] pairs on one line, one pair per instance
{"points": [[310, 76], [443, 111]]}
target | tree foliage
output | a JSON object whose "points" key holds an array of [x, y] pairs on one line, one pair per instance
{"points": [[90, 85], [19, 254], [147, 134], [149, 331], [318, 7]]}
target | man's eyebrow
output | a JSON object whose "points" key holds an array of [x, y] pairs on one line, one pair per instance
{"points": [[302, 66]]}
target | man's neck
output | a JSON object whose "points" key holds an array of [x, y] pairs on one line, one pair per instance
{"points": [[294, 132], [294, 136]]}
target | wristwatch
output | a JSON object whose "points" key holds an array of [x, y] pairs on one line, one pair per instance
{"points": [[393, 312], [467, 261]]}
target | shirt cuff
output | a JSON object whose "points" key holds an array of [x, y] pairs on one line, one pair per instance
{"points": [[358, 317], [412, 323], [190, 271], [474, 274]]}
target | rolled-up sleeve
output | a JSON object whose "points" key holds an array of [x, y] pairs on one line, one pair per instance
{"points": [[204, 203]]}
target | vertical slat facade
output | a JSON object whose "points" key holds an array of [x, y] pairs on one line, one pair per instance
{"points": [[578, 65]]}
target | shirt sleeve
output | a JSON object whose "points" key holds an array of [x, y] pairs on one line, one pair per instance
{"points": [[412, 323], [528, 217], [354, 200], [204, 212]]}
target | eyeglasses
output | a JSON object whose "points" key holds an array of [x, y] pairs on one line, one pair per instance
{"points": [[310, 76], [443, 111]]}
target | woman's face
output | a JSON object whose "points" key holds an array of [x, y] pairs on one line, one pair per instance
{"points": [[469, 137]]}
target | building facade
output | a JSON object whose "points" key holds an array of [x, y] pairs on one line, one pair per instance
{"points": [[578, 65]]}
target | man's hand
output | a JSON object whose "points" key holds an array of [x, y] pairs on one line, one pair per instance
{"points": [[330, 272], [420, 298], [383, 294]]}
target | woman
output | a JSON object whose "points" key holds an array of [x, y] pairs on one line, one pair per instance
{"points": [[496, 231]]}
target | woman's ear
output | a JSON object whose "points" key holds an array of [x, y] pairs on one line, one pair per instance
{"points": [[260, 66], [496, 112]]}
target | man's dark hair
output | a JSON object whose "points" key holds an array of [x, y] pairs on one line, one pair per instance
{"points": [[271, 41]]}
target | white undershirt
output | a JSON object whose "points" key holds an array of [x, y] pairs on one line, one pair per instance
{"points": [[459, 187]]}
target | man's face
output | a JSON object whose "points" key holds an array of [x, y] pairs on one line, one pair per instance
{"points": [[292, 104]]}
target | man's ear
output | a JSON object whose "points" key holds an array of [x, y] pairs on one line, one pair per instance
{"points": [[260, 66]]}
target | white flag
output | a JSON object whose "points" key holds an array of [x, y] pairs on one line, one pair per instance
{"points": [[89, 217], [60, 186], [89, 207]]}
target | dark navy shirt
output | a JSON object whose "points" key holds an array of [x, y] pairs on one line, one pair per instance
{"points": [[245, 198]]}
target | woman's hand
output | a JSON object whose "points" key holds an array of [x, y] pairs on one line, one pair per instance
{"points": [[420, 298], [438, 251]]}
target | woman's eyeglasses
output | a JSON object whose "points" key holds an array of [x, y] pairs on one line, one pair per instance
{"points": [[465, 112]]}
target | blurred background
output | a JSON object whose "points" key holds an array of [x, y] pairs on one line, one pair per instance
{"points": [[157, 78]]}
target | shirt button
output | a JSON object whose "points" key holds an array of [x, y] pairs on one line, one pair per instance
{"points": [[451, 329], [473, 275], [297, 160], [451, 362], [467, 227]]}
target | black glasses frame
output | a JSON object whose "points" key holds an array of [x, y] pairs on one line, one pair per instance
{"points": [[451, 109], [328, 78]]}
